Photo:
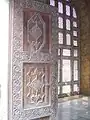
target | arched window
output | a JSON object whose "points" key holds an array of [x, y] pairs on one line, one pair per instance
{"points": [[68, 48]]}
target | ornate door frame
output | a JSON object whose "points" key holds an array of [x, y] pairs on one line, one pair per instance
{"points": [[33, 61]]}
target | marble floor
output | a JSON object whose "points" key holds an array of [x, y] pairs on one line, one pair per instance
{"points": [[78, 109]]}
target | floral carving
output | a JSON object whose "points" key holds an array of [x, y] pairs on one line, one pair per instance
{"points": [[36, 85]]}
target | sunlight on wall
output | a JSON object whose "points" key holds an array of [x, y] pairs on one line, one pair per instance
{"points": [[4, 17]]}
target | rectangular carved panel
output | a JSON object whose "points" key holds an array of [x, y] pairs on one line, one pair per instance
{"points": [[36, 78], [37, 31]]}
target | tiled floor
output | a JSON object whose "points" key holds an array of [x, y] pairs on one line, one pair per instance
{"points": [[78, 109]]}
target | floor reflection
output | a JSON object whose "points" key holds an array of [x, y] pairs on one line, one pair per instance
{"points": [[78, 109]]}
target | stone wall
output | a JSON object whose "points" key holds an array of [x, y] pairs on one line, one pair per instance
{"points": [[82, 7]]}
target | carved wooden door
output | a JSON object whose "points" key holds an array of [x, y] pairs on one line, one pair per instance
{"points": [[33, 65]]}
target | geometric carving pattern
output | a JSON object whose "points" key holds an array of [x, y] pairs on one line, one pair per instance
{"points": [[36, 84], [36, 33]]}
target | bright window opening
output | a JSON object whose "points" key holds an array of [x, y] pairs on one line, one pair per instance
{"points": [[68, 49]]}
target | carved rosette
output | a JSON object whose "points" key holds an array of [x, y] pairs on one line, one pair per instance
{"points": [[36, 84], [36, 34]]}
